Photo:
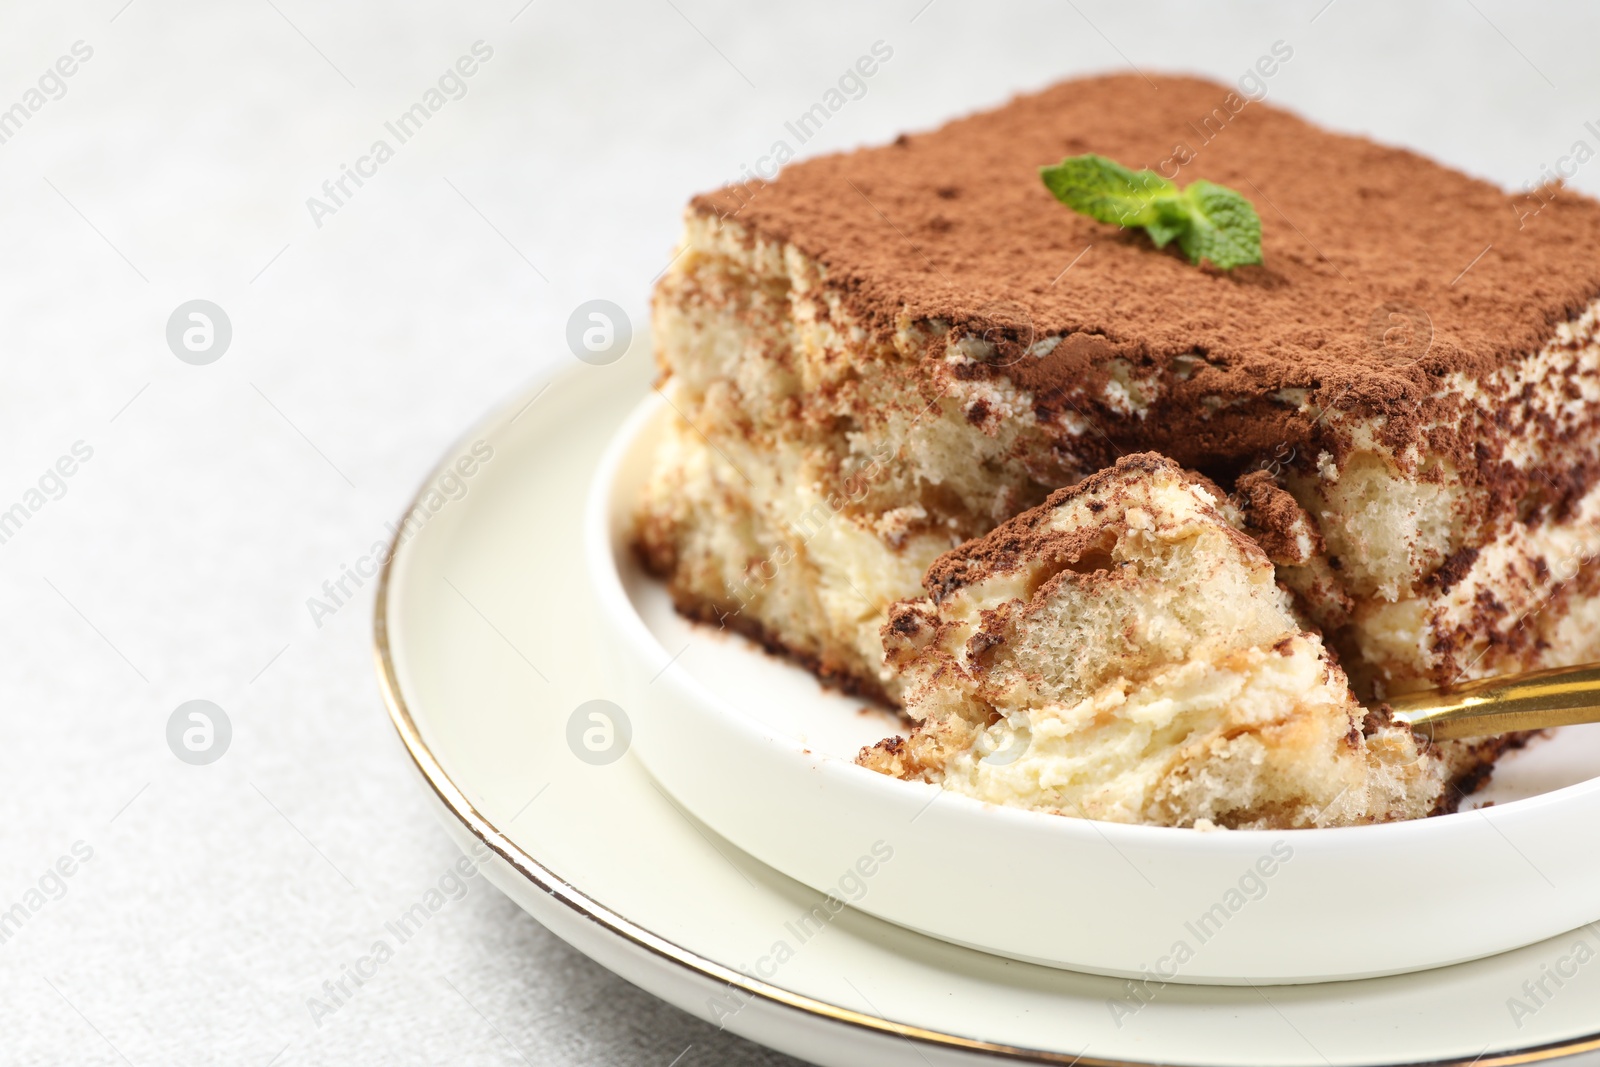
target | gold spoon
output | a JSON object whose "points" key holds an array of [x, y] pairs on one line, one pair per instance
{"points": [[1536, 700]]}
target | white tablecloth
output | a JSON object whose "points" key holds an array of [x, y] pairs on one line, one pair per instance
{"points": [[175, 162]]}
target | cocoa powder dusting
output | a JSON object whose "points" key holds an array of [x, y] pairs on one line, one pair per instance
{"points": [[1376, 281]]}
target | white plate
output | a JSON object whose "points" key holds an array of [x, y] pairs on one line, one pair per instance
{"points": [[751, 747], [488, 594]]}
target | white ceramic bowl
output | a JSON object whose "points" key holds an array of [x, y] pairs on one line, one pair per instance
{"points": [[757, 751]]}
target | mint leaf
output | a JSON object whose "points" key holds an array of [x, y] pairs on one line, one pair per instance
{"points": [[1107, 191], [1209, 221], [1223, 227]]}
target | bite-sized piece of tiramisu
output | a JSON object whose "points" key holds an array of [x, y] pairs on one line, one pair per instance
{"points": [[885, 352], [1122, 652]]}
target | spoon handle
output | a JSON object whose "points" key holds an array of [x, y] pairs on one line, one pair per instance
{"points": [[1536, 700]]}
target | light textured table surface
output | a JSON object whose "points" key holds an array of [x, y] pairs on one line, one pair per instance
{"points": [[176, 562]]}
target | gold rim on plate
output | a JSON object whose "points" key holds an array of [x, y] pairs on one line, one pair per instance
{"points": [[548, 882]]}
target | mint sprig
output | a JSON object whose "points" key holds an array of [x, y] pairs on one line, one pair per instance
{"points": [[1209, 221]]}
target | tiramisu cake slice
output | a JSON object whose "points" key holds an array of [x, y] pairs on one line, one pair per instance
{"points": [[884, 353]]}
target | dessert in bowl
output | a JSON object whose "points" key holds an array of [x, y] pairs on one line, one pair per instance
{"points": [[1131, 534]]}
